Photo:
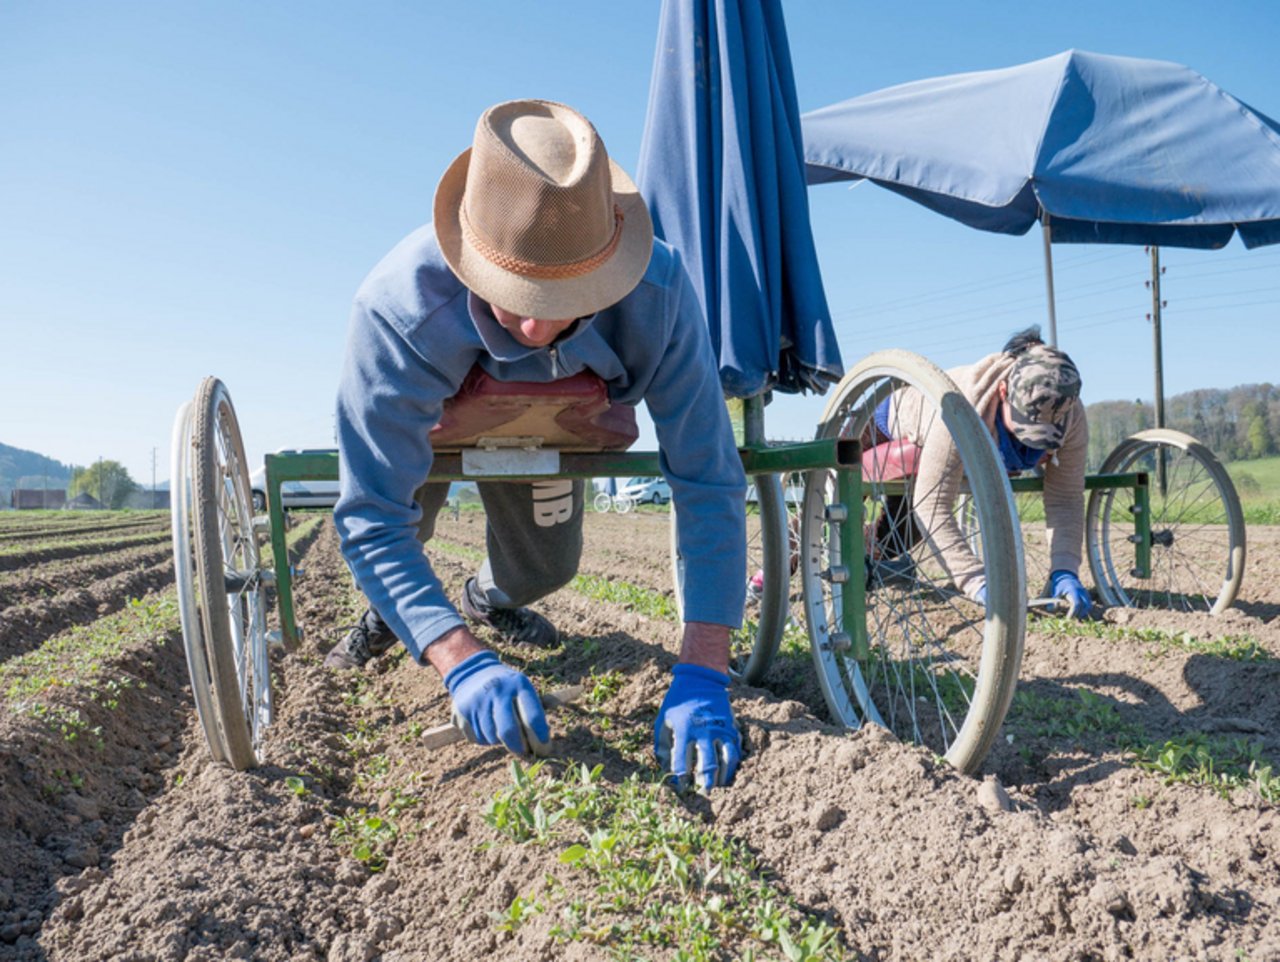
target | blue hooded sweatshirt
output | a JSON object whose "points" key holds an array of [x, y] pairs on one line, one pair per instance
{"points": [[415, 333]]}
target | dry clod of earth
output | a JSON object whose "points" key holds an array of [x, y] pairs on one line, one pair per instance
{"points": [[353, 842]]}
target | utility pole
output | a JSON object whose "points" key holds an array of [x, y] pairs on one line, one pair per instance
{"points": [[153, 478], [1158, 350], [100, 501]]}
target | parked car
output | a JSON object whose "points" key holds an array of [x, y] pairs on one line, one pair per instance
{"points": [[646, 491], [294, 494]]}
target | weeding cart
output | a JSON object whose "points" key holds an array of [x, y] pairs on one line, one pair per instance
{"points": [[931, 665]]}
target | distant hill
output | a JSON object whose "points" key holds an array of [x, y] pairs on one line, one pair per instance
{"points": [[27, 469]]}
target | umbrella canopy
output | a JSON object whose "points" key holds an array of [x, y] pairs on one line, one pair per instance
{"points": [[722, 167], [1105, 149]]}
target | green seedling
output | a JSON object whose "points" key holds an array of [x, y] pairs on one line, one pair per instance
{"points": [[659, 882], [605, 686], [366, 838], [295, 785], [1222, 764], [518, 912]]}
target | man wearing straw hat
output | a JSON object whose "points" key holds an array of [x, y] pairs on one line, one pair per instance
{"points": [[540, 263]]}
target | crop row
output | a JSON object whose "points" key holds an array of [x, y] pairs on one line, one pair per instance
{"points": [[46, 580], [11, 558], [18, 525]]}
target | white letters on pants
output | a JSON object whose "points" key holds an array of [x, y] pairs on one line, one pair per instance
{"points": [[552, 502]]}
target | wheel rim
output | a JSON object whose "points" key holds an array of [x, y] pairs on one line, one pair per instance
{"points": [[232, 597], [193, 640], [940, 669], [1197, 530]]}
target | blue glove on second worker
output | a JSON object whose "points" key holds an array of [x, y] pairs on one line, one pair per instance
{"points": [[695, 735], [1064, 584], [493, 703]]}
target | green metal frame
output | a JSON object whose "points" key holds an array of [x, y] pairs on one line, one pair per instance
{"points": [[1139, 483], [747, 418]]}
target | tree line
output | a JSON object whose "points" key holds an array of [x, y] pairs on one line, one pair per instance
{"points": [[1237, 424]]}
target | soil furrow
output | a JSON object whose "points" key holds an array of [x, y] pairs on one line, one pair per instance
{"points": [[30, 557], [79, 767], [17, 587], [1084, 856], [24, 627], [11, 537]]}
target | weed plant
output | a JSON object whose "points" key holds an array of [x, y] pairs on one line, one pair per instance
{"points": [[1159, 640], [657, 880], [81, 656]]}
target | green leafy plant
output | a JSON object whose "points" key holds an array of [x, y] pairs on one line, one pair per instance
{"points": [[517, 913], [1222, 764], [295, 785], [366, 837], [658, 880]]}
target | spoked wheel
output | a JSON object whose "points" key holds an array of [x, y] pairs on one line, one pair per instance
{"points": [[895, 642], [1197, 549], [182, 517], [767, 579], [602, 502], [220, 586]]}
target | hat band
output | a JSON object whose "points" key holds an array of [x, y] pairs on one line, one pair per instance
{"points": [[533, 269]]}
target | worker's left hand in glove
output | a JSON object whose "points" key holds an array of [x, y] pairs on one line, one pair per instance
{"points": [[1066, 585], [493, 703], [695, 737]]}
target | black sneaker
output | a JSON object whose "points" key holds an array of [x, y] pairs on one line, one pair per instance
{"points": [[890, 571], [519, 625], [365, 642]]}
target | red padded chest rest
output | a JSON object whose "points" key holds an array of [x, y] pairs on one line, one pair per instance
{"points": [[572, 414]]}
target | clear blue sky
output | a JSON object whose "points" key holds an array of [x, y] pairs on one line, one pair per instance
{"points": [[198, 188]]}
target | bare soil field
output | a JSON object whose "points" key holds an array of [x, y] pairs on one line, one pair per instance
{"points": [[1117, 818]]}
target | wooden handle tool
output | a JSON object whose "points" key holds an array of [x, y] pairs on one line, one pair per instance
{"points": [[448, 734]]}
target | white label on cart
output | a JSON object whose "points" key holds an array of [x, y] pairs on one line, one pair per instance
{"points": [[510, 463]]}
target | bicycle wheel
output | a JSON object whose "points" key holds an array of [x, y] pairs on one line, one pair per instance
{"points": [[622, 504], [602, 502], [894, 642], [229, 577], [1197, 527], [767, 577], [184, 565]]}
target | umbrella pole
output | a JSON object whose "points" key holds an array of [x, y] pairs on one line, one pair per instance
{"points": [[1048, 279]]}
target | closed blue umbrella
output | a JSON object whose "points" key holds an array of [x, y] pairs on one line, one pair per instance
{"points": [[722, 168]]}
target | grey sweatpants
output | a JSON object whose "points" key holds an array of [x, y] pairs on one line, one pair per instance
{"points": [[533, 534]]}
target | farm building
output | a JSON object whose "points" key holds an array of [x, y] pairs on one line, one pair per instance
{"points": [[83, 501], [25, 498]]}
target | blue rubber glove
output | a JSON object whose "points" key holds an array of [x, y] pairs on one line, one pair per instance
{"points": [[493, 703], [1064, 584], [695, 735]]}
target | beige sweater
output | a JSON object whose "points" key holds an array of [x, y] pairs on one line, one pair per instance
{"points": [[940, 473]]}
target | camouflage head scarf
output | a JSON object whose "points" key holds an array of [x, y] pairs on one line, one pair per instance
{"points": [[1041, 384]]}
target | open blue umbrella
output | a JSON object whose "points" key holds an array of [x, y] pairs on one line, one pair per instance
{"points": [[722, 168], [1098, 149]]}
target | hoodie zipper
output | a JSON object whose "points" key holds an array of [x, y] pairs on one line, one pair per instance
{"points": [[555, 370]]}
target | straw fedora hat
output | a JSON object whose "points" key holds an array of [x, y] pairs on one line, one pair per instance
{"points": [[536, 219]]}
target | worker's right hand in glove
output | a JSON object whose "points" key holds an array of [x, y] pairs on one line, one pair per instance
{"points": [[695, 737], [495, 704]]}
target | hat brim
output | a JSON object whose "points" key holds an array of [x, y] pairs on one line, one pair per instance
{"points": [[558, 299]]}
